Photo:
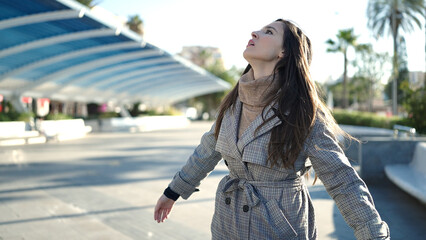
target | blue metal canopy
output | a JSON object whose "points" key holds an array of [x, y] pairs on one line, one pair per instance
{"points": [[58, 49]]}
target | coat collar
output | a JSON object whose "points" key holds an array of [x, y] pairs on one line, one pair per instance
{"points": [[249, 134]]}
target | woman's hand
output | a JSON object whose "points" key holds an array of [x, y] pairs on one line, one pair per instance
{"points": [[163, 208]]}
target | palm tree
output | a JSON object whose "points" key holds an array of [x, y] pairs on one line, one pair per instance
{"points": [[88, 3], [345, 39], [135, 23], [391, 16]]}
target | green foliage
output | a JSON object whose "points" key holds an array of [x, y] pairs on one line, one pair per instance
{"points": [[109, 115], [390, 16], [150, 112], [135, 109], [169, 111], [402, 14], [370, 63], [366, 119], [365, 84], [25, 117], [231, 76], [210, 102], [57, 116], [370, 70], [345, 39], [402, 72], [10, 114], [4, 117], [88, 3], [135, 23], [356, 89], [14, 116], [415, 105]]}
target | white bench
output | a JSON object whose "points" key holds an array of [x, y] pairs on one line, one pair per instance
{"points": [[142, 124], [64, 129], [15, 133], [411, 177]]}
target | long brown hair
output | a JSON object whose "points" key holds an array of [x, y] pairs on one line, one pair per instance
{"points": [[297, 100]]}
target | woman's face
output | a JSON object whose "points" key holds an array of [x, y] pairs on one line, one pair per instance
{"points": [[266, 44]]}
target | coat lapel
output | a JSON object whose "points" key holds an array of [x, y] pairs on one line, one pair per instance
{"points": [[231, 128], [249, 134], [235, 145]]}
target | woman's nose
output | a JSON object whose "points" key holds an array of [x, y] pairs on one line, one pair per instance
{"points": [[254, 35]]}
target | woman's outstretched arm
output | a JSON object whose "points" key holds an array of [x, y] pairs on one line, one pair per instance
{"points": [[200, 163], [344, 185], [185, 182]]}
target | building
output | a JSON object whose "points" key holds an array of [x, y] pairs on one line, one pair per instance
{"points": [[417, 79], [203, 56]]}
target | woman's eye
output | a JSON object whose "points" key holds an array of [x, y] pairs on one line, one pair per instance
{"points": [[268, 32]]}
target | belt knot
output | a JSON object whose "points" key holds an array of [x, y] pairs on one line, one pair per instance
{"points": [[252, 195]]}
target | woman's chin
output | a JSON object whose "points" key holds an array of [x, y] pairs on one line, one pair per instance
{"points": [[247, 56]]}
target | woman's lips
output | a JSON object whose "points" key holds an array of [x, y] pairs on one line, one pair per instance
{"points": [[250, 43]]}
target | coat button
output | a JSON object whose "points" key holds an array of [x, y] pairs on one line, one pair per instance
{"points": [[246, 208], [228, 201]]}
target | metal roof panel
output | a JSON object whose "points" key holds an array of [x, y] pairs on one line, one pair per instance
{"points": [[59, 48], [17, 8]]}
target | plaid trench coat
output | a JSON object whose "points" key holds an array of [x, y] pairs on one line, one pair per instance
{"points": [[256, 201]]}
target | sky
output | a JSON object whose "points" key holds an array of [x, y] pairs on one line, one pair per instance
{"points": [[227, 25]]}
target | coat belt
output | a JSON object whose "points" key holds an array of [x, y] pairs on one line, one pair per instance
{"points": [[249, 187]]}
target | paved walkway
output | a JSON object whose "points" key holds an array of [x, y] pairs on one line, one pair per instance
{"points": [[105, 186]]}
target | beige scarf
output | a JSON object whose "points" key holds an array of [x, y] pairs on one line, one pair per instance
{"points": [[253, 93]]}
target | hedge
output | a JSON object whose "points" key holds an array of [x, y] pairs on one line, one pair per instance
{"points": [[367, 119]]}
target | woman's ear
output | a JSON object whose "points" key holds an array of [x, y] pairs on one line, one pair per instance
{"points": [[281, 54]]}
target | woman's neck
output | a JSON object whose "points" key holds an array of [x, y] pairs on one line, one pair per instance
{"points": [[261, 70]]}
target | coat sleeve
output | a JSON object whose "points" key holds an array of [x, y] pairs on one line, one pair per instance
{"points": [[344, 185], [200, 163]]}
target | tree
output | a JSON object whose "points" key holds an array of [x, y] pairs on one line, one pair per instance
{"points": [[415, 104], [356, 91], [391, 16], [210, 59], [370, 70], [402, 72], [135, 23], [88, 3], [210, 102], [345, 39]]}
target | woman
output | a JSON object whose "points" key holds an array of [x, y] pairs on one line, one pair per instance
{"points": [[271, 129]]}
